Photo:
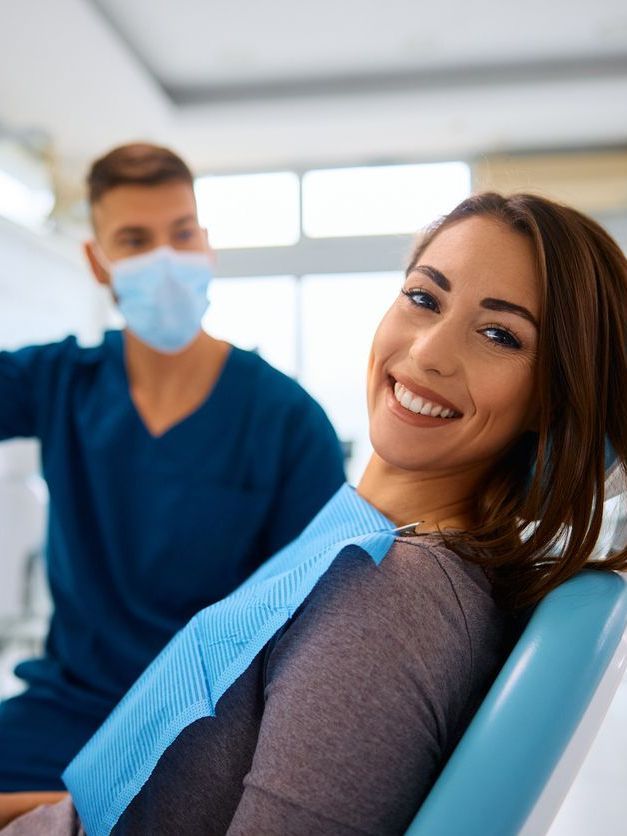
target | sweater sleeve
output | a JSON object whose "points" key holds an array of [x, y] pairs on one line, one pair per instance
{"points": [[364, 691]]}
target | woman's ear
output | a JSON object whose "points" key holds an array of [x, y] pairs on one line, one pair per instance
{"points": [[100, 273]]}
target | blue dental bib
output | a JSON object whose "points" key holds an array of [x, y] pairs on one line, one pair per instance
{"points": [[186, 680]]}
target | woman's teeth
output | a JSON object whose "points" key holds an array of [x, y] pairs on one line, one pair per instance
{"points": [[419, 405]]}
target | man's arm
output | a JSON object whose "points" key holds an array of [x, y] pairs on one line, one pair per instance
{"points": [[14, 804], [312, 470], [17, 401]]}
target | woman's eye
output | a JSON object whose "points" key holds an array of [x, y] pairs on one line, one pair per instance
{"points": [[422, 299], [501, 337]]}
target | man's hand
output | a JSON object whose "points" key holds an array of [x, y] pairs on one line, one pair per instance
{"points": [[14, 804]]}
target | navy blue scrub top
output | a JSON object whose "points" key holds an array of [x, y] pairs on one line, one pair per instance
{"points": [[144, 531]]}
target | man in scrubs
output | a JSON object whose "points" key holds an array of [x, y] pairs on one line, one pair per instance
{"points": [[176, 464]]}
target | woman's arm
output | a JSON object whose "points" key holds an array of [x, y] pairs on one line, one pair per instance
{"points": [[363, 694]]}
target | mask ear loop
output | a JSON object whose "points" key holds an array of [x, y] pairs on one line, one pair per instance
{"points": [[101, 258]]}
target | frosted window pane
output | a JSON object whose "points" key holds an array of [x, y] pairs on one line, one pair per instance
{"points": [[380, 200], [256, 314], [340, 315], [250, 210]]}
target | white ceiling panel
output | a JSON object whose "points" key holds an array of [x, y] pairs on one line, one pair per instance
{"points": [[65, 73], [191, 44]]}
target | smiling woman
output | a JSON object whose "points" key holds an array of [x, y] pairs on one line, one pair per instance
{"points": [[532, 295], [448, 350], [325, 694]]}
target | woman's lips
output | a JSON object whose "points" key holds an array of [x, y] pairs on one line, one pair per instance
{"points": [[420, 400], [412, 418]]}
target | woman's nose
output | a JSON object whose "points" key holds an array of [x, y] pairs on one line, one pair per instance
{"points": [[436, 349]]}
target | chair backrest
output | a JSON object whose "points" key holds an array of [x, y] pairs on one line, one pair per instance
{"points": [[512, 768]]}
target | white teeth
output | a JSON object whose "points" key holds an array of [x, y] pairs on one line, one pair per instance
{"points": [[406, 398], [418, 405]]}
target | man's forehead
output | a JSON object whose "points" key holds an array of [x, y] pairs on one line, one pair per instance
{"points": [[137, 225], [144, 207]]}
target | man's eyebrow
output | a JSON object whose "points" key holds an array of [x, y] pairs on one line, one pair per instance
{"points": [[184, 220], [509, 307], [435, 275], [130, 230]]}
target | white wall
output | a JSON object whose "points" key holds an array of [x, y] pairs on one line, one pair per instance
{"points": [[45, 294], [45, 291]]}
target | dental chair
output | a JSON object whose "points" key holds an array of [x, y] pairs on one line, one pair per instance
{"points": [[24, 600], [516, 761]]}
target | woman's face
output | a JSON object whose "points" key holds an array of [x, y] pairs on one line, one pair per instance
{"points": [[452, 366]]}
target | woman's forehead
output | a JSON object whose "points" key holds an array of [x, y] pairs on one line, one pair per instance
{"points": [[485, 254]]}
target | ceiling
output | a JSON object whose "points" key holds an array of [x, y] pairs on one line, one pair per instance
{"points": [[243, 84], [199, 50]]}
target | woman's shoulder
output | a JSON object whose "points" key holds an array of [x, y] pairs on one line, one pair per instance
{"points": [[428, 560], [421, 604], [417, 574], [428, 587], [429, 555]]}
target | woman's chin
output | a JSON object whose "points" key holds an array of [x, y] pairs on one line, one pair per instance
{"points": [[389, 452]]}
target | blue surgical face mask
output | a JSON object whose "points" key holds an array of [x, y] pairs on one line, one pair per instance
{"points": [[163, 296]]}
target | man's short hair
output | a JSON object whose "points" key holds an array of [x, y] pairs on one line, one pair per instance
{"points": [[135, 164]]}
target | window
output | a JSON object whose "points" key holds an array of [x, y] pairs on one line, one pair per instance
{"points": [[250, 210], [340, 314], [380, 200], [318, 327], [257, 314]]}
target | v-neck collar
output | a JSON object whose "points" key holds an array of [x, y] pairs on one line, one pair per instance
{"points": [[115, 339]]}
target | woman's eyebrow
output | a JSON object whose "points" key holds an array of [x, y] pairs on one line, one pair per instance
{"points": [[490, 304], [435, 275], [509, 307]]}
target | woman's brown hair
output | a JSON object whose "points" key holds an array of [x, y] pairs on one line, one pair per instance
{"points": [[554, 478]]}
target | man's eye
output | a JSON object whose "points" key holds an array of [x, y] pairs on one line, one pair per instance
{"points": [[501, 337], [422, 299], [133, 242], [185, 234]]}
